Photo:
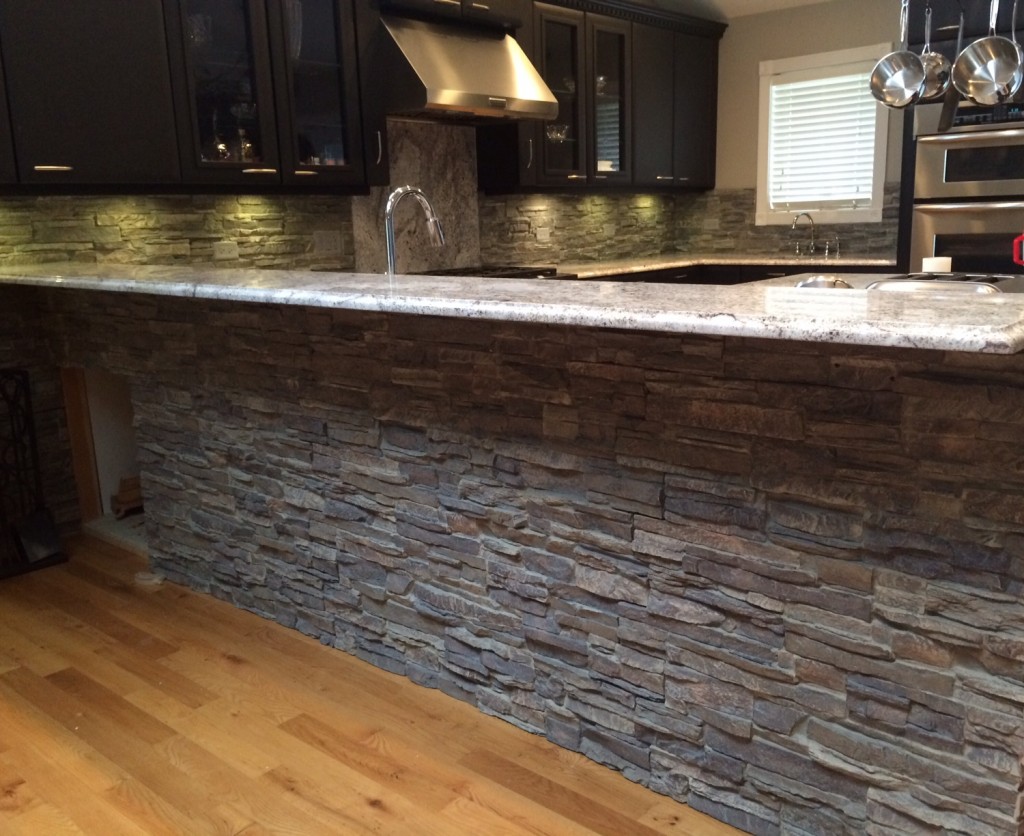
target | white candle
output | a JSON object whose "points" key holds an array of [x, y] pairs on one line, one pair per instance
{"points": [[936, 264]]}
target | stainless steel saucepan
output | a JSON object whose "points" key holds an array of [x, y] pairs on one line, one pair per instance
{"points": [[990, 71], [898, 79], [937, 68]]}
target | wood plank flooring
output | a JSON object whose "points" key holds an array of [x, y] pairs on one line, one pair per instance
{"points": [[134, 710]]}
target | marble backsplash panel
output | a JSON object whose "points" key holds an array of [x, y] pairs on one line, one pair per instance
{"points": [[441, 160]]}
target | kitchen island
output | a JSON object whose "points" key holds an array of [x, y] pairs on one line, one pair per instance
{"points": [[757, 547]]}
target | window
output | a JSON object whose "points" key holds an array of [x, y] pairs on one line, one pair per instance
{"points": [[822, 138]]}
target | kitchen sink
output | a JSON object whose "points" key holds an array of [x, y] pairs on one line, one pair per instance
{"points": [[971, 283]]}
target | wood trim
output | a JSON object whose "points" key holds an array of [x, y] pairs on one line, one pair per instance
{"points": [[83, 450]]}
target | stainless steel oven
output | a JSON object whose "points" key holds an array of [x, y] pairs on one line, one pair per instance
{"points": [[968, 187], [977, 236]]}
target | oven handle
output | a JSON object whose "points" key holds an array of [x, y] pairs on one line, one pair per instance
{"points": [[1001, 206], [986, 137]]}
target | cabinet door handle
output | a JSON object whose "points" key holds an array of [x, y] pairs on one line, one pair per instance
{"points": [[53, 168], [482, 6], [576, 177], [448, 2], [380, 147], [529, 157], [306, 172], [259, 171], [682, 179], [664, 177], [600, 176]]}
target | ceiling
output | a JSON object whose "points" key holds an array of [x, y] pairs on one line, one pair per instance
{"points": [[730, 9]]}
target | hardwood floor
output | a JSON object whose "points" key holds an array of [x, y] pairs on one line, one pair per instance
{"points": [[134, 710]]}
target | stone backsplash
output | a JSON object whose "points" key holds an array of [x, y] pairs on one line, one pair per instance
{"points": [[569, 228], [779, 582], [259, 230]]}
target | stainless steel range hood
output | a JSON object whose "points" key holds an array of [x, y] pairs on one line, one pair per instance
{"points": [[445, 70]]}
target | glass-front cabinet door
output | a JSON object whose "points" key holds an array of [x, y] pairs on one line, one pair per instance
{"points": [[313, 47], [226, 107], [563, 140], [608, 46]]}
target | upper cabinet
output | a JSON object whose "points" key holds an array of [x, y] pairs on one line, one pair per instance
{"points": [[584, 59], [314, 47], [89, 91], [8, 170], [637, 106], [266, 91], [675, 79]]}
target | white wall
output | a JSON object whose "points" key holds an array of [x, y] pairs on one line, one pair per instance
{"points": [[840, 24]]}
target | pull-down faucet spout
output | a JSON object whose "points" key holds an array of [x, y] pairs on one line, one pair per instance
{"points": [[810, 247], [433, 223]]}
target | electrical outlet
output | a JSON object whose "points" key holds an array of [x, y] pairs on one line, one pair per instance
{"points": [[326, 242], [225, 250], [543, 233]]}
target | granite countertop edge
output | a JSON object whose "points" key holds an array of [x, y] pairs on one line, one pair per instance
{"points": [[774, 309]]}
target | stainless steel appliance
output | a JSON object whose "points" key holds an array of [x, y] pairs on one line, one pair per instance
{"points": [[968, 187]]}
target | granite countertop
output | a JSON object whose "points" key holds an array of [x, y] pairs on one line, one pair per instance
{"points": [[773, 309], [597, 269]]}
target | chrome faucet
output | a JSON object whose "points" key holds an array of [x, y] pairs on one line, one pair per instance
{"points": [[796, 220], [433, 224]]}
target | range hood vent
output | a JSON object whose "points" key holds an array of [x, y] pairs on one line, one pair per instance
{"points": [[445, 71]]}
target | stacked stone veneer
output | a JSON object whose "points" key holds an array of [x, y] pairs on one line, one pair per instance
{"points": [[597, 227], [779, 582], [266, 230]]}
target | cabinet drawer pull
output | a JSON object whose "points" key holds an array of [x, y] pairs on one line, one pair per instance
{"points": [[664, 177], [305, 173], [380, 147], [600, 176], [576, 177], [259, 171], [53, 168], [448, 2], [682, 179], [482, 6]]}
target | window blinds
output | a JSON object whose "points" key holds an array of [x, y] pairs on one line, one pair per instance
{"points": [[821, 142]]}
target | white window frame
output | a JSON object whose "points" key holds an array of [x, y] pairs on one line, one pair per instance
{"points": [[808, 67]]}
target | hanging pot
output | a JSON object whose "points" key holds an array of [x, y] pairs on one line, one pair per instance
{"points": [[898, 79], [937, 68], [990, 71]]}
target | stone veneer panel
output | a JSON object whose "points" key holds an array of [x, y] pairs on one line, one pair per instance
{"points": [[570, 228], [779, 582], [269, 230]]}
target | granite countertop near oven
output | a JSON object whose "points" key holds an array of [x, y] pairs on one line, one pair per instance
{"points": [[600, 269], [766, 310]]}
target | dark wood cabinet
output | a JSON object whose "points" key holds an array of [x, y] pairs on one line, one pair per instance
{"points": [[637, 106], [266, 92], [89, 91], [8, 169], [585, 59], [313, 47], [675, 102], [505, 13], [225, 99]]}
